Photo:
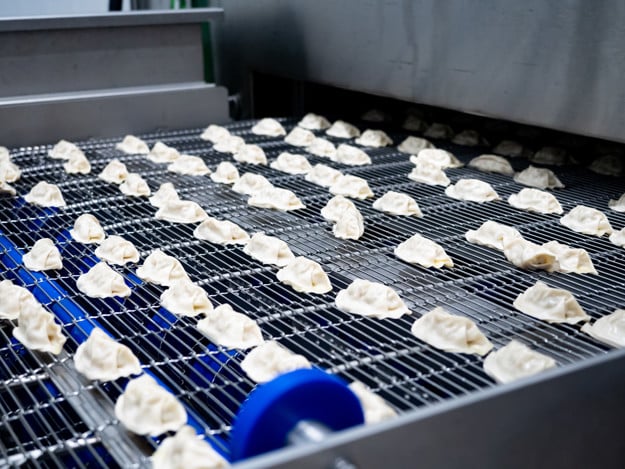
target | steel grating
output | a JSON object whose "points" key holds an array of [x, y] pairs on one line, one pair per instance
{"points": [[38, 392]]}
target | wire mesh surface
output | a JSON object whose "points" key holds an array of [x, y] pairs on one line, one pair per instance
{"points": [[41, 426]]}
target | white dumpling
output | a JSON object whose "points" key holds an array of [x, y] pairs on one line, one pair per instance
{"points": [[398, 203], [437, 157], [5, 156], [415, 123], [269, 127], [229, 144], [268, 250], [275, 198], [185, 298], [609, 329], [374, 407], [102, 358], [165, 194], [215, 133], [226, 173], [291, 163], [135, 186], [87, 230], [322, 147], [374, 138], [250, 154], [414, 145], [117, 250], [115, 172], [535, 200], [161, 269], [225, 327], [323, 175], [529, 256], [36, 329], [221, 232], [63, 150], [305, 275], [299, 137], [492, 234], [133, 145], [618, 237], [9, 171], [45, 195], [515, 361], [438, 130], [351, 186], [473, 190], [189, 165], [185, 450], [251, 183], [571, 260], [100, 281], [342, 129], [451, 333], [422, 251], [618, 205], [77, 163], [146, 408], [313, 122], [7, 188], [491, 164], [550, 155], [371, 299], [469, 138], [608, 165], [350, 225], [540, 178], [269, 360], [13, 299], [509, 148], [550, 304], [350, 155], [430, 174], [161, 153], [336, 207], [44, 255], [181, 211], [587, 220]]}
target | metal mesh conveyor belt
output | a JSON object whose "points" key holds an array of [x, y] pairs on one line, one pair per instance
{"points": [[45, 405]]}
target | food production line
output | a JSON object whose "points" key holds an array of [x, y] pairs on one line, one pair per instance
{"points": [[94, 79]]}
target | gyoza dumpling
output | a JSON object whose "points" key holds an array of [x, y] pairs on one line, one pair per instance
{"points": [[438, 130], [437, 157], [250, 183], [341, 129], [291, 163], [570, 259], [269, 127], [618, 205], [161, 153], [146, 408], [133, 145], [469, 138], [221, 232], [269, 360], [305, 275], [371, 299], [322, 147], [215, 133], [450, 333], [422, 251], [608, 165], [618, 238], [351, 186], [135, 186], [268, 250], [185, 298], [5, 156], [336, 207], [161, 269], [299, 137], [189, 165], [509, 148], [7, 188], [374, 407], [314, 122], [225, 327], [540, 178], [13, 299], [226, 173], [491, 164], [323, 175], [87, 230], [100, 357], [527, 255], [63, 150], [9, 171], [534, 200], [229, 144], [251, 154], [350, 225], [45, 195], [609, 329], [415, 123], [165, 194], [185, 450], [516, 361], [44, 255], [181, 211], [550, 155], [473, 190], [587, 220], [77, 163], [36, 329], [492, 234], [115, 172], [414, 145], [278, 199], [550, 304], [116, 250], [100, 281], [351, 155], [374, 138], [398, 203], [430, 174]]}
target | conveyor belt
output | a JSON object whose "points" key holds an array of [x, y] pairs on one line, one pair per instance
{"points": [[39, 421]]}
